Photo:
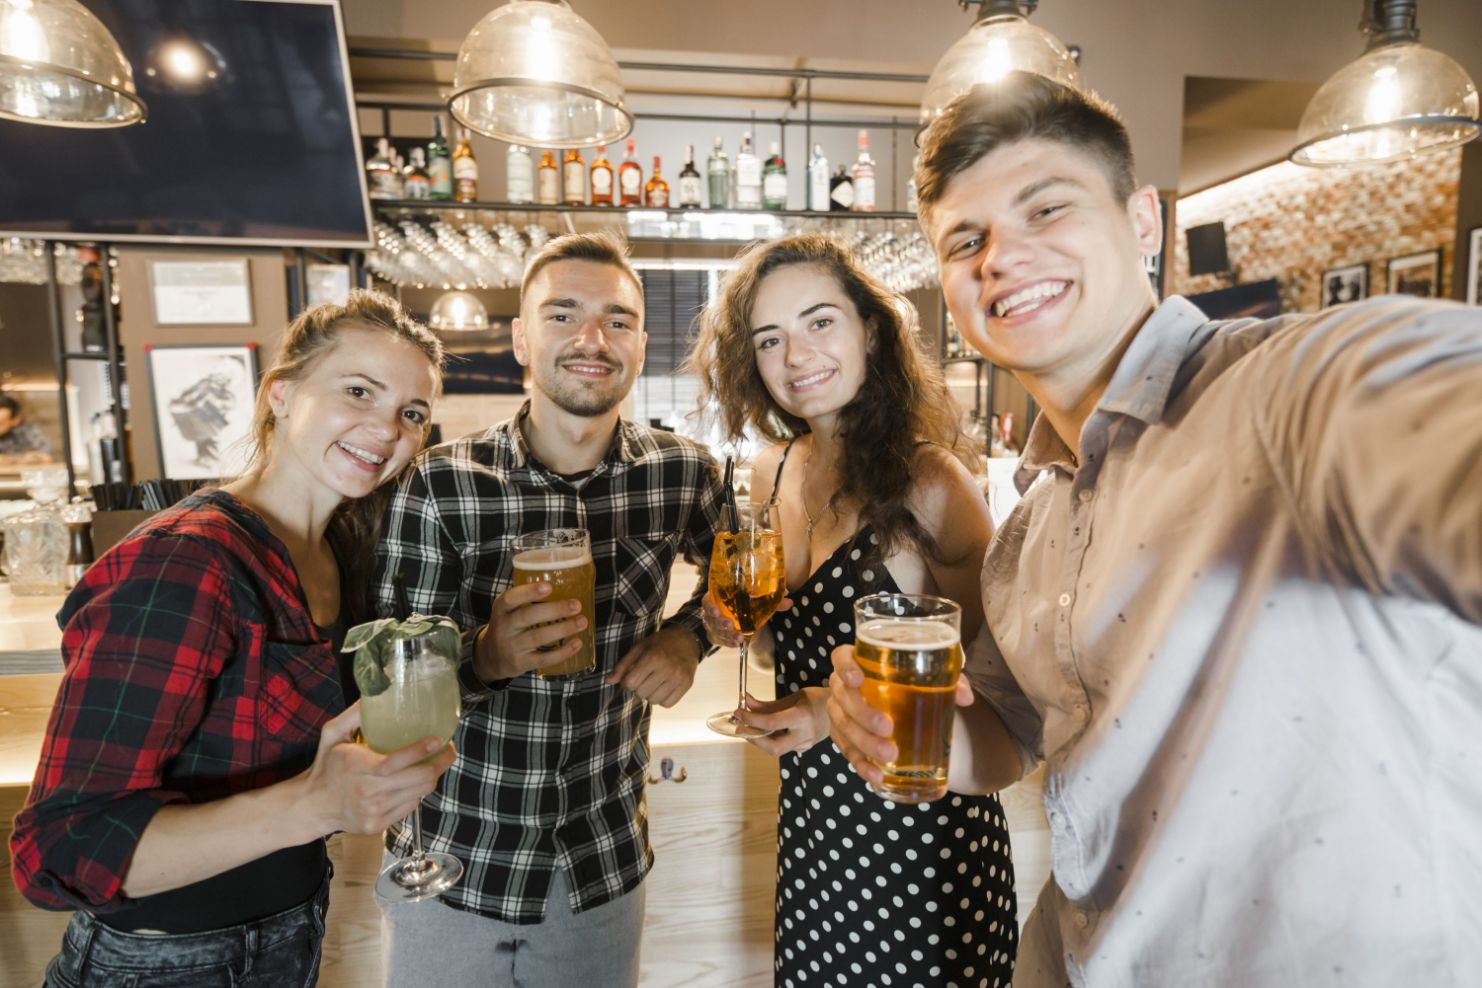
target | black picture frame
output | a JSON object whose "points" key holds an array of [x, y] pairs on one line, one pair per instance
{"points": [[1417, 274], [203, 398], [1474, 266], [1346, 284]]}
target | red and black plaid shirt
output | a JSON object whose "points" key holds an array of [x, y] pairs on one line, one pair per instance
{"points": [[194, 672]]}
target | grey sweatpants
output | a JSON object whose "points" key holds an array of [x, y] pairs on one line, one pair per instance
{"points": [[430, 945]]}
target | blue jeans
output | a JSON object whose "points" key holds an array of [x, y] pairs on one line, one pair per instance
{"points": [[281, 951]]}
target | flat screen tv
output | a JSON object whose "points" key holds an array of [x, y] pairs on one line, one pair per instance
{"points": [[251, 135]]}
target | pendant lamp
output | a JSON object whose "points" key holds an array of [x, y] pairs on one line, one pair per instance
{"points": [[458, 312], [534, 72], [1397, 100], [60, 66], [1001, 42]]}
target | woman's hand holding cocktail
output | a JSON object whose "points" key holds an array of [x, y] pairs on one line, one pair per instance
{"points": [[520, 625], [796, 722], [721, 628], [352, 788]]}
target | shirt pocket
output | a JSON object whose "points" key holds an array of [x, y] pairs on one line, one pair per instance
{"points": [[299, 691], [642, 566]]}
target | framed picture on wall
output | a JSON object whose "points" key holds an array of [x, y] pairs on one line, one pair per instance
{"points": [[1474, 266], [203, 398], [1348, 284], [1415, 274], [201, 293]]}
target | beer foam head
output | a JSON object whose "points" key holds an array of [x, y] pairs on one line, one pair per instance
{"points": [[907, 635], [553, 557]]}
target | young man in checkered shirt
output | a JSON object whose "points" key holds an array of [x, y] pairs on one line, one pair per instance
{"points": [[545, 805]]}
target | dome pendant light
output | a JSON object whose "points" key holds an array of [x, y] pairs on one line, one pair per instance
{"points": [[534, 72], [60, 66], [1397, 100], [458, 312], [1000, 42]]}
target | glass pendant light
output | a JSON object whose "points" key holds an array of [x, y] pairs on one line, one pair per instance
{"points": [[533, 72], [1397, 100], [458, 312], [60, 66], [1000, 42]]}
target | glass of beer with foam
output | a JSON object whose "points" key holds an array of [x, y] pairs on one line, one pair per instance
{"points": [[909, 647], [562, 557]]}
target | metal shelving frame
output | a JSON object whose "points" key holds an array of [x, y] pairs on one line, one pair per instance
{"points": [[112, 353]]}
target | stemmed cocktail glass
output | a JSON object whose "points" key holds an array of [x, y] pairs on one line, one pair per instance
{"points": [[747, 581], [418, 699]]}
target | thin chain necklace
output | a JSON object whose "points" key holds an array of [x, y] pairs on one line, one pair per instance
{"points": [[803, 492]]}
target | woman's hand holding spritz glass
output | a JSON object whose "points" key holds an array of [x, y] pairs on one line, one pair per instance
{"points": [[747, 582], [407, 673]]}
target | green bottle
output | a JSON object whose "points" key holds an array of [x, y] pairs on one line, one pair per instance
{"points": [[439, 163], [720, 177]]}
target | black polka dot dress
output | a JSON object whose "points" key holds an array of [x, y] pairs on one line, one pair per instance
{"points": [[871, 892]]}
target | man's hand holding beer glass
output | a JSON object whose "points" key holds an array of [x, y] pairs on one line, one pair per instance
{"points": [[523, 626]]}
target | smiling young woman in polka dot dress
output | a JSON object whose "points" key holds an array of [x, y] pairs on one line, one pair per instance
{"points": [[876, 495]]}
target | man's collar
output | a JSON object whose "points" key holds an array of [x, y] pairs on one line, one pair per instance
{"points": [[1144, 378], [1140, 387], [622, 449]]}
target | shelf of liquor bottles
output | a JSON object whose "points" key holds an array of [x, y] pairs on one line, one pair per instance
{"points": [[431, 206]]}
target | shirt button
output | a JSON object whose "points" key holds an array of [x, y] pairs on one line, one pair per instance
{"points": [[1082, 920], [1082, 712], [1065, 600], [1086, 495]]}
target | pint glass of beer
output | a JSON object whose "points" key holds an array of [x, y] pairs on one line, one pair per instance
{"points": [[909, 648], [562, 557]]}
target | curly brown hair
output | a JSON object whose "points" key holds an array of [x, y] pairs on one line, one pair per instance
{"points": [[356, 524], [902, 403]]}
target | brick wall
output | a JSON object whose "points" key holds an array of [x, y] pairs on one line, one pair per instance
{"points": [[1292, 223]]}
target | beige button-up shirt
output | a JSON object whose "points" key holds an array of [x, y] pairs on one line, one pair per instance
{"points": [[1242, 634]]}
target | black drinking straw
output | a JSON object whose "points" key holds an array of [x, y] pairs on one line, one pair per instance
{"points": [[403, 606], [731, 494]]}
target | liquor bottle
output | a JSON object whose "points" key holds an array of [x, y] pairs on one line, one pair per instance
{"points": [[840, 192], [548, 181], [774, 180], [864, 176], [397, 180], [718, 171], [465, 170], [748, 176], [630, 178], [656, 192], [379, 180], [519, 174], [601, 178], [574, 178], [417, 184], [439, 163], [689, 181], [818, 180]]}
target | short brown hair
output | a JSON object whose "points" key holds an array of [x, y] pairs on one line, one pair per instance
{"points": [[599, 247], [1021, 106], [902, 402]]}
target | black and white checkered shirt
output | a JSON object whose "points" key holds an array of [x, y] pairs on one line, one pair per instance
{"points": [[549, 772]]}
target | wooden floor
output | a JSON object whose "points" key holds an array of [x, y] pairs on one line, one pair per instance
{"points": [[687, 940]]}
